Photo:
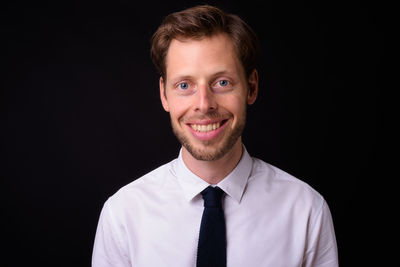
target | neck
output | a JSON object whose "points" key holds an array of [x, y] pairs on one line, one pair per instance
{"points": [[214, 171]]}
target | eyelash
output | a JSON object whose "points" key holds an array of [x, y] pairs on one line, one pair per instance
{"points": [[182, 83], [223, 80], [216, 84]]}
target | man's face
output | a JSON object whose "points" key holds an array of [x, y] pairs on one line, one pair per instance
{"points": [[206, 93]]}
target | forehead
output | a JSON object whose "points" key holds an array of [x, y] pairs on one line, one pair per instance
{"points": [[214, 53]]}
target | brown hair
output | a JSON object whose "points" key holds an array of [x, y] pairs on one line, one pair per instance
{"points": [[204, 21]]}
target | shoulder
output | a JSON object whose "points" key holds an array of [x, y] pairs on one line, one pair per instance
{"points": [[276, 182], [143, 187]]}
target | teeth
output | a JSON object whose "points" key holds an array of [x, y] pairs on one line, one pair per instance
{"points": [[205, 128]]}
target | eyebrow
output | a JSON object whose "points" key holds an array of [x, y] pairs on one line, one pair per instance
{"points": [[224, 72], [181, 78]]}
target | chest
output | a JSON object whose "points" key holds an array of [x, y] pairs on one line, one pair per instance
{"points": [[258, 235]]}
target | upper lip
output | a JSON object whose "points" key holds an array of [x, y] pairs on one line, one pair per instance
{"points": [[205, 122]]}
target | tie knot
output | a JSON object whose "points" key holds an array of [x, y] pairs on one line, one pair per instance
{"points": [[212, 197]]}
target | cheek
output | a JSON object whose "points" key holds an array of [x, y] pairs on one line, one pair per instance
{"points": [[177, 109], [235, 105]]}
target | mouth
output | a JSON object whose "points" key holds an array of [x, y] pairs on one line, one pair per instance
{"points": [[207, 130], [204, 128]]}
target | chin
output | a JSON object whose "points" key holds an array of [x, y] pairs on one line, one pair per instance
{"points": [[206, 154], [209, 151]]}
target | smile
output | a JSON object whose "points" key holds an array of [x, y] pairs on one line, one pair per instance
{"points": [[205, 127], [207, 130]]}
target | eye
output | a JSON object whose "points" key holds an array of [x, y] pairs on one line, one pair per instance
{"points": [[183, 86], [223, 83]]}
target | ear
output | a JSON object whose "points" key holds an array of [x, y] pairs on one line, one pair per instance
{"points": [[253, 87], [163, 95]]}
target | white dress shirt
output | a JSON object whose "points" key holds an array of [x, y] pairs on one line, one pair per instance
{"points": [[272, 220]]}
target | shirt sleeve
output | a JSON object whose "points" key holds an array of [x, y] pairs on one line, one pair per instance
{"points": [[108, 247], [322, 247]]}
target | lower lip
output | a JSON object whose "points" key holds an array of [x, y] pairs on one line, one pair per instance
{"points": [[206, 136]]}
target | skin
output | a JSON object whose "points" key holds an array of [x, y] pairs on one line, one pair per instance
{"points": [[206, 85]]}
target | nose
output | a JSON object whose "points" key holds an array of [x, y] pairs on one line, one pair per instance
{"points": [[205, 99]]}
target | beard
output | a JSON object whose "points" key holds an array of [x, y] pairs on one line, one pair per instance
{"points": [[211, 150]]}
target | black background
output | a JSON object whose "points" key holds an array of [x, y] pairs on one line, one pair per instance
{"points": [[83, 116]]}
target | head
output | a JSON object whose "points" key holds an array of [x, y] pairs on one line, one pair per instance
{"points": [[200, 22], [206, 59]]}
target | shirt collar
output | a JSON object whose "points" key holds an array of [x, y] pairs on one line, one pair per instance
{"points": [[233, 184]]}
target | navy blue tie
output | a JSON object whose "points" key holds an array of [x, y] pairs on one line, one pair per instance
{"points": [[211, 250]]}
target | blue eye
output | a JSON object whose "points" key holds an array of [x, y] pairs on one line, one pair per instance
{"points": [[223, 83], [183, 86]]}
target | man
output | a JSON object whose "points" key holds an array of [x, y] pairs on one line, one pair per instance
{"points": [[266, 217]]}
